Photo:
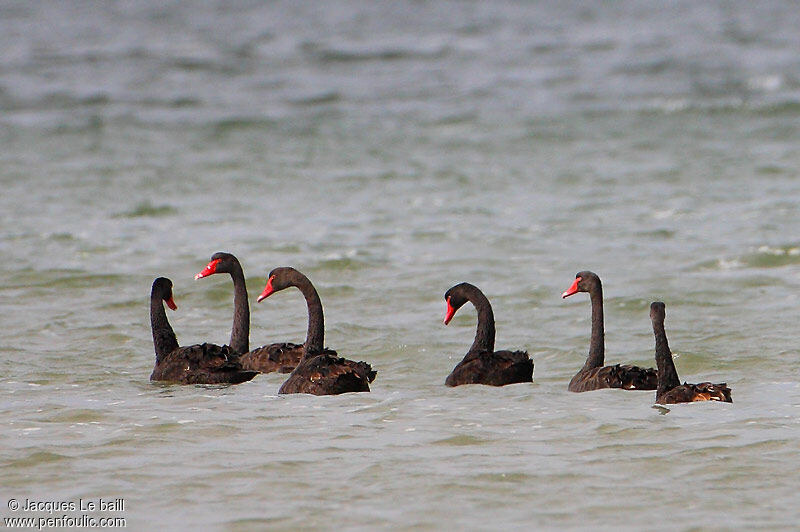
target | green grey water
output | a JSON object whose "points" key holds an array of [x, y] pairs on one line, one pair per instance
{"points": [[390, 152]]}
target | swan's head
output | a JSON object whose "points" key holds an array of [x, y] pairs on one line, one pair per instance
{"points": [[277, 280], [585, 281], [221, 262], [455, 299], [162, 289], [657, 312]]}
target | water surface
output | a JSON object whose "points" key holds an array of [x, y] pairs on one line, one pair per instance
{"points": [[390, 152]]}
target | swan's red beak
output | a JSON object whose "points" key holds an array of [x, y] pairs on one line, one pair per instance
{"points": [[450, 312], [171, 303], [210, 268], [572, 289], [268, 291]]}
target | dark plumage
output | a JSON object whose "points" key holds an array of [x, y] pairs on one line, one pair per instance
{"points": [[670, 390], [321, 371], [194, 364], [622, 376], [280, 357], [329, 374], [593, 375], [482, 364]]}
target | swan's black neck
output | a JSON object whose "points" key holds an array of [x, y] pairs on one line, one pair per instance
{"points": [[597, 343], [240, 333], [667, 374], [315, 337], [485, 332], [164, 340]]}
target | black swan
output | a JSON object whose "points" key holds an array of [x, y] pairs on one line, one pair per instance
{"points": [[670, 390], [194, 364], [321, 371], [482, 364], [593, 375], [281, 357]]}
